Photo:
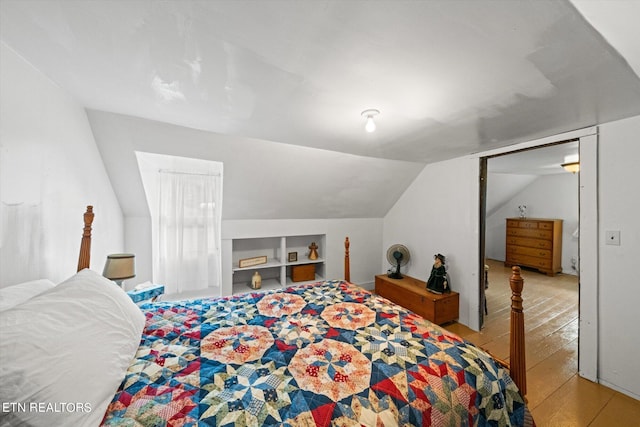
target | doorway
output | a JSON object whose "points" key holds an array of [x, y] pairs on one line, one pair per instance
{"points": [[529, 183], [588, 242]]}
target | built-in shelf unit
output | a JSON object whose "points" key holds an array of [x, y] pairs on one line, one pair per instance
{"points": [[276, 273]]}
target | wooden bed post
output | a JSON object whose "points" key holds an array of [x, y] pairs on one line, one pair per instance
{"points": [[518, 369], [347, 267], [85, 245]]}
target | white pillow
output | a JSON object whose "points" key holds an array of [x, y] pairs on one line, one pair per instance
{"points": [[16, 294], [67, 350]]}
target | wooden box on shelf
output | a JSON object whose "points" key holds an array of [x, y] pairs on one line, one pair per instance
{"points": [[412, 294], [303, 272]]}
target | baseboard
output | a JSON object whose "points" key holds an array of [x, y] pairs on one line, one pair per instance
{"points": [[619, 389], [370, 286]]}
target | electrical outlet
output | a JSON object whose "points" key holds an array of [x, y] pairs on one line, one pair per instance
{"points": [[612, 237]]}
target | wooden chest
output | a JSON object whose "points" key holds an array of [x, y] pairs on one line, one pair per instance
{"points": [[412, 294], [303, 272], [534, 242]]}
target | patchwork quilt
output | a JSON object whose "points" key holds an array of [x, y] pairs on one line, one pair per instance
{"points": [[324, 354]]}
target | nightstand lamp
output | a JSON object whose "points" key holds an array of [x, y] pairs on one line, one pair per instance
{"points": [[119, 267]]}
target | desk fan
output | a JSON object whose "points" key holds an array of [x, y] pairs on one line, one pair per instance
{"points": [[397, 255]]}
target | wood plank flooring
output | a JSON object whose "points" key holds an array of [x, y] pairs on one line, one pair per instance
{"points": [[556, 395]]}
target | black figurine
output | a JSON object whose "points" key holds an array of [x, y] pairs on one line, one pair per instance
{"points": [[437, 282]]}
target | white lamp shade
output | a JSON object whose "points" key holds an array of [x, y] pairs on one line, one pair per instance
{"points": [[119, 267]]}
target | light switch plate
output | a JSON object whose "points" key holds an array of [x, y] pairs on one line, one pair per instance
{"points": [[612, 237]]}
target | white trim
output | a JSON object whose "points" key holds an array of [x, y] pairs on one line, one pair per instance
{"points": [[620, 389], [580, 133], [588, 255], [588, 327], [370, 286]]}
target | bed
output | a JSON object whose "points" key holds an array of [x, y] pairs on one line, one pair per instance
{"points": [[328, 353]]}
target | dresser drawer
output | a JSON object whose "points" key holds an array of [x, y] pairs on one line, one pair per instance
{"points": [[522, 224], [534, 242], [516, 259], [530, 242], [533, 233], [512, 223], [522, 250], [545, 225]]}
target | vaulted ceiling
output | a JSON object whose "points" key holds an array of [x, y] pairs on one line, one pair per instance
{"points": [[449, 77]]}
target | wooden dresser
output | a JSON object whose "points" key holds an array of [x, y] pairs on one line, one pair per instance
{"points": [[534, 242], [412, 294]]}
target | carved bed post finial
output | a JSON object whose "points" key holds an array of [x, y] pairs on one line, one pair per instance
{"points": [[518, 370], [85, 244], [347, 268]]}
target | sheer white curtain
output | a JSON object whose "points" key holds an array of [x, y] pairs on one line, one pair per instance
{"points": [[189, 232]]}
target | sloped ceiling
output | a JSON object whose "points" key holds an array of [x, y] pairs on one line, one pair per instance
{"points": [[262, 179], [511, 173], [449, 77]]}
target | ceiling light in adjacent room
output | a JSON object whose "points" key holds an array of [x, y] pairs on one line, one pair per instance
{"points": [[369, 114], [571, 163], [572, 167]]}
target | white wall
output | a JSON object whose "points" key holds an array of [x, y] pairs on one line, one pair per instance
{"points": [[502, 187], [438, 213], [49, 159], [365, 237], [619, 290], [548, 196], [138, 240], [263, 180]]}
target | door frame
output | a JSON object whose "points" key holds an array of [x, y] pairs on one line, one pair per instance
{"points": [[588, 239], [482, 215]]}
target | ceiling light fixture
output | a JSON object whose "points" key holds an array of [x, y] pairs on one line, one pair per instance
{"points": [[369, 114], [572, 167]]}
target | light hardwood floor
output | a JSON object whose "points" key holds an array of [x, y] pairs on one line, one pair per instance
{"points": [[556, 395]]}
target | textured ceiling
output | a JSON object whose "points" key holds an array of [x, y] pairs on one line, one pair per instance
{"points": [[271, 82], [449, 77]]}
